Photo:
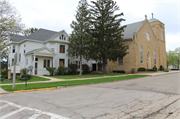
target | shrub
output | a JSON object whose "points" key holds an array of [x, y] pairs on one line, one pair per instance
{"points": [[114, 71], [120, 71], [85, 68], [26, 76], [151, 70], [155, 68], [24, 79], [51, 70], [25, 70], [61, 70], [166, 70], [133, 70], [4, 76], [174, 69], [2, 79], [141, 69], [4, 72], [161, 68], [73, 68]]}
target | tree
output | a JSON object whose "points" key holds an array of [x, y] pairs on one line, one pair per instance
{"points": [[107, 30], [80, 37], [10, 23], [173, 57], [29, 31]]}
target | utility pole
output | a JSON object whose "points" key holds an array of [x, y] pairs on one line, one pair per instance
{"points": [[14, 70]]}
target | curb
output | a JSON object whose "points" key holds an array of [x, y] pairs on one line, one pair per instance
{"points": [[34, 90]]}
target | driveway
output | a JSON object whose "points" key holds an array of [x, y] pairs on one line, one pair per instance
{"points": [[135, 98]]}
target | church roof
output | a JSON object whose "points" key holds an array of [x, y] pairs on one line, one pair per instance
{"points": [[153, 19], [131, 29]]}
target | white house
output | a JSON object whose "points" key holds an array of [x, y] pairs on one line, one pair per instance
{"points": [[43, 48]]}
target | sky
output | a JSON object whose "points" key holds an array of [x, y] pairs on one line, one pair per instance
{"points": [[57, 15]]}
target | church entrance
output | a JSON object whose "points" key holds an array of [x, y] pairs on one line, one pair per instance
{"points": [[148, 61]]}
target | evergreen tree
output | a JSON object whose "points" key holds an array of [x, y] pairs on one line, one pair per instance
{"points": [[80, 37], [107, 31]]}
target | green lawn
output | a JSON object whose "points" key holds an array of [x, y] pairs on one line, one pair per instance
{"points": [[69, 83], [84, 76], [34, 78]]}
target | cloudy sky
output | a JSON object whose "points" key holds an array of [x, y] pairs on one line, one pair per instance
{"points": [[58, 14]]}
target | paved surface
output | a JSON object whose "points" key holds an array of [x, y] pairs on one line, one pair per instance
{"points": [[136, 98]]}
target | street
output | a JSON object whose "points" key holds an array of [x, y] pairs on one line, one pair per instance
{"points": [[149, 97]]}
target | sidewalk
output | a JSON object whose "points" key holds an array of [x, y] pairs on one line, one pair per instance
{"points": [[56, 80]]}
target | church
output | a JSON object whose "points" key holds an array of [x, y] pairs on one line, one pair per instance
{"points": [[147, 46]]}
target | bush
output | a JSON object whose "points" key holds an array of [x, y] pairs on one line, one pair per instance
{"points": [[51, 70], [4, 76], [133, 70], [26, 76], [155, 68], [174, 69], [166, 70], [120, 71], [4, 72], [2, 79], [24, 79], [73, 68], [62, 70], [85, 68], [25, 70], [141, 69], [151, 70], [114, 71], [161, 68]]}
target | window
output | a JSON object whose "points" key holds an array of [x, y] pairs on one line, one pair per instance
{"points": [[46, 63], [19, 57], [9, 49], [61, 62], [62, 37], [120, 60], [12, 62], [141, 54], [24, 51], [36, 59], [154, 57], [105, 61], [147, 36], [13, 50], [24, 45], [26, 61], [161, 33], [62, 49]]}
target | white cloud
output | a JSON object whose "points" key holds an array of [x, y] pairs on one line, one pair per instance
{"points": [[172, 41]]}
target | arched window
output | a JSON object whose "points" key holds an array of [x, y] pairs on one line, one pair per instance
{"points": [[62, 37], [141, 54], [161, 33], [154, 57]]}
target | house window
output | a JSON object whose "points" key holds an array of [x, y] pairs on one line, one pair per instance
{"points": [[62, 37], [141, 54], [46, 63], [61, 62], [105, 61], [19, 57], [9, 49], [36, 59], [24, 45], [13, 50], [154, 57], [62, 49], [12, 62], [120, 60], [26, 61], [24, 51]]}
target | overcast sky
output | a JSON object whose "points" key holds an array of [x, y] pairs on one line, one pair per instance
{"points": [[57, 15]]}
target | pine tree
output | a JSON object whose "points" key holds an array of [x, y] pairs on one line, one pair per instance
{"points": [[80, 37], [107, 30]]}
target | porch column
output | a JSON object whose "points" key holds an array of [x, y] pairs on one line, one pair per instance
{"points": [[34, 65]]}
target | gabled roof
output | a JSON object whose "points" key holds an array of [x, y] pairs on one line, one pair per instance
{"points": [[17, 38], [39, 49], [42, 35], [131, 29]]}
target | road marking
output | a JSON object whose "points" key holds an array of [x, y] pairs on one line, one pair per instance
{"points": [[4, 106], [34, 116], [37, 112], [10, 114]]}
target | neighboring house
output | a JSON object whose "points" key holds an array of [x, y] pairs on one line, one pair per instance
{"points": [[146, 41], [172, 66], [41, 49]]}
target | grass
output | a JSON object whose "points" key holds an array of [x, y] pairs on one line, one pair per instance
{"points": [[69, 83], [34, 78], [84, 76]]}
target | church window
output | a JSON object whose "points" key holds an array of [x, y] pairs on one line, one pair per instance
{"points": [[154, 57], [147, 36], [141, 54]]}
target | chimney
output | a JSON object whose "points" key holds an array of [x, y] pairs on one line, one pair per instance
{"points": [[145, 16], [152, 15]]}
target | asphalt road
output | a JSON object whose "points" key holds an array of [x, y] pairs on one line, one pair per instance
{"points": [[135, 98]]}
